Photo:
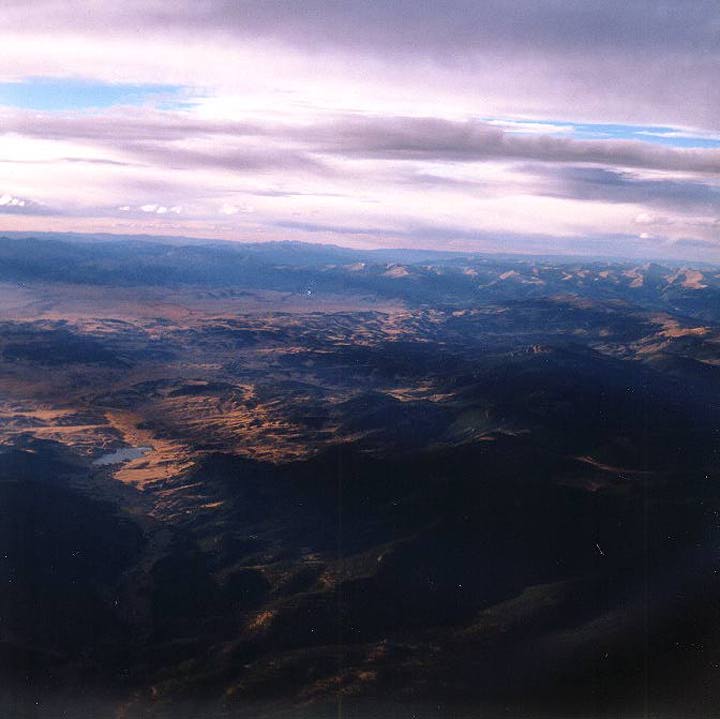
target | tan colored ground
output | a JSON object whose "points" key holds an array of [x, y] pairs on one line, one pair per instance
{"points": [[80, 303]]}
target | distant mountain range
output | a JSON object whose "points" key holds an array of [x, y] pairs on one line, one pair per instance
{"points": [[414, 276]]}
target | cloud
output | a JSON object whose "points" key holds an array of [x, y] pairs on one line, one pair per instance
{"points": [[14, 205], [312, 227], [120, 125], [328, 116], [410, 138], [647, 61], [248, 159], [10, 201], [160, 209], [402, 25], [229, 210], [645, 218], [612, 185], [172, 140], [386, 173], [180, 140]]}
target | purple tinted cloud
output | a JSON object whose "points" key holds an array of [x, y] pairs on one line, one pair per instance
{"points": [[436, 139], [366, 114], [153, 136]]}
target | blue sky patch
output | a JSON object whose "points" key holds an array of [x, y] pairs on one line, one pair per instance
{"points": [[63, 94], [671, 136], [657, 134]]}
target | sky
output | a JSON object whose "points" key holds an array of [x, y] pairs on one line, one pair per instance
{"points": [[484, 125]]}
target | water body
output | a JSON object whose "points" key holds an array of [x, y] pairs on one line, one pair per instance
{"points": [[122, 455]]}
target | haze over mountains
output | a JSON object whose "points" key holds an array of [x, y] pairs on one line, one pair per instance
{"points": [[420, 276], [300, 480]]}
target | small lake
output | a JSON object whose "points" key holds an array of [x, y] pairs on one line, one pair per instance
{"points": [[121, 455]]}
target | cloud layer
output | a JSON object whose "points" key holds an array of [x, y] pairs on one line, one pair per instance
{"points": [[368, 122]]}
